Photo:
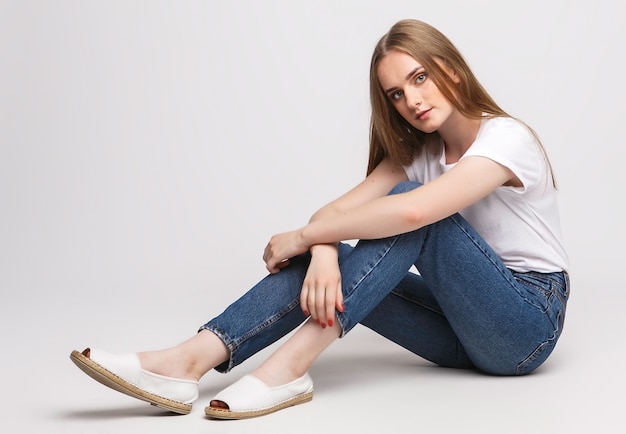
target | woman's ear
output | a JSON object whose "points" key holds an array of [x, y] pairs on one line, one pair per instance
{"points": [[455, 77], [451, 72]]}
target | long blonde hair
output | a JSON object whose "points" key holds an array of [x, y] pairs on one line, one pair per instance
{"points": [[391, 136]]}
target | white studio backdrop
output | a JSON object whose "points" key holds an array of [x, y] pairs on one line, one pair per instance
{"points": [[148, 149]]}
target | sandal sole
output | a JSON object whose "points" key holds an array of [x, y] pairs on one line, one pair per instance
{"points": [[222, 413], [109, 379]]}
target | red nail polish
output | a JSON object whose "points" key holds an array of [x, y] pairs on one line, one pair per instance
{"points": [[323, 325], [330, 322], [306, 313]]}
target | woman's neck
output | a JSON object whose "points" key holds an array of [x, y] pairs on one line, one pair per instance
{"points": [[458, 135]]}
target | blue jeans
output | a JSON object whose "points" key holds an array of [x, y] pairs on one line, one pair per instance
{"points": [[464, 309]]}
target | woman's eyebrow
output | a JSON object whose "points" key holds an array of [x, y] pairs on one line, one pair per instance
{"points": [[409, 75]]}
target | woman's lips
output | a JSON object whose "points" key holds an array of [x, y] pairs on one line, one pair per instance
{"points": [[422, 115]]}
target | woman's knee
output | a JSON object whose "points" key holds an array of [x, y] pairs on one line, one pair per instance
{"points": [[404, 187]]}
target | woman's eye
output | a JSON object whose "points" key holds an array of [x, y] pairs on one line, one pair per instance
{"points": [[396, 95], [420, 78]]}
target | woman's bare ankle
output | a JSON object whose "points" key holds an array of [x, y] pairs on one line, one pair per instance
{"points": [[282, 368], [188, 360], [172, 362], [274, 377], [294, 358]]}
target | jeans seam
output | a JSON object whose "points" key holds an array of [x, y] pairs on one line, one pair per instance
{"points": [[521, 367], [268, 322], [420, 304], [342, 316], [497, 264], [260, 327]]}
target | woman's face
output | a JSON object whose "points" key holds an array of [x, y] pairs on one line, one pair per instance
{"points": [[411, 91]]}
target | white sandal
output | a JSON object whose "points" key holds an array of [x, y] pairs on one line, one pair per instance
{"points": [[123, 372], [250, 397]]}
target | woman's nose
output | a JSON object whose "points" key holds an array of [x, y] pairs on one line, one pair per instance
{"points": [[413, 98]]}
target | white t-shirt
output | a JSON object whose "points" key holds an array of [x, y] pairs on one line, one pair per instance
{"points": [[521, 224]]}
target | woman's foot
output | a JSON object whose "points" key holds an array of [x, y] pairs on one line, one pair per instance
{"points": [[123, 372], [285, 368], [251, 397], [276, 378], [166, 378]]}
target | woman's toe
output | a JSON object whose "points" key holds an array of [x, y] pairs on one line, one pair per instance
{"points": [[218, 404]]}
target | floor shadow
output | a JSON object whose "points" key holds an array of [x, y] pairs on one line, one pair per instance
{"points": [[114, 413], [339, 370]]}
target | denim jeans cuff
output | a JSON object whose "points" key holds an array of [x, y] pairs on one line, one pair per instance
{"points": [[230, 363], [344, 323]]}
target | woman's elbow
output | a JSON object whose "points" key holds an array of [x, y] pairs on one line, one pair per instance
{"points": [[414, 217]]}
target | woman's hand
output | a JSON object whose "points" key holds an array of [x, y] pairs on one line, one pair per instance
{"points": [[281, 248], [321, 291]]}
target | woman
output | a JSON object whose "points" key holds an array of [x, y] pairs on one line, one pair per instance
{"points": [[456, 187]]}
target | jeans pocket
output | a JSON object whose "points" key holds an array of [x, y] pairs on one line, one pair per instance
{"points": [[539, 289], [534, 288]]}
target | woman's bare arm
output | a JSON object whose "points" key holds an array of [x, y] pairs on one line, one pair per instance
{"points": [[469, 181], [377, 184]]}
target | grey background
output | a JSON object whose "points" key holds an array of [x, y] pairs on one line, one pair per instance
{"points": [[148, 149]]}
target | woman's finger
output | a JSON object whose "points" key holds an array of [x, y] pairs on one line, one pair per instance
{"points": [[329, 308], [311, 304], [320, 305], [339, 298], [304, 305]]}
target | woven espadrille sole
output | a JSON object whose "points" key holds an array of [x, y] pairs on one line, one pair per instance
{"points": [[223, 413], [109, 379]]}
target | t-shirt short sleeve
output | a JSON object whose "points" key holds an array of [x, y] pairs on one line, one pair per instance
{"points": [[511, 144]]}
